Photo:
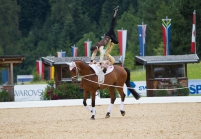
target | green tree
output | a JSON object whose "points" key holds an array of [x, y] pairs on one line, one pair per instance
{"points": [[80, 44], [159, 51], [9, 26]]}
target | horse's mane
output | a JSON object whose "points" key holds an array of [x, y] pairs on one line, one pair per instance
{"points": [[81, 61], [84, 63]]}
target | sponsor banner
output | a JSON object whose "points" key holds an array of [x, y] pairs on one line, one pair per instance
{"points": [[194, 86], [140, 87], [21, 79], [29, 92], [35, 92]]}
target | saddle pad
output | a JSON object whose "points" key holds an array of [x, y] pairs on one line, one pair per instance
{"points": [[97, 70]]}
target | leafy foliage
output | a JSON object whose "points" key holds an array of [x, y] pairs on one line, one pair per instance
{"points": [[4, 96], [63, 91], [36, 77], [161, 93], [105, 93], [182, 92]]}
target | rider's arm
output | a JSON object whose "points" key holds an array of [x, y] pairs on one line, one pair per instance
{"points": [[93, 56]]}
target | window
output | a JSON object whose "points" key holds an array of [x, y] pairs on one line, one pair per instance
{"points": [[65, 74], [167, 71]]}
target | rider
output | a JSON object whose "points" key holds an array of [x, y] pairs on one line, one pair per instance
{"points": [[109, 40]]}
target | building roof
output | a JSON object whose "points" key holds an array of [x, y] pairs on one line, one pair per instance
{"points": [[170, 59], [52, 60], [7, 59]]}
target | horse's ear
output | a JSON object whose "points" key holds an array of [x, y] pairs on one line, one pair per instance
{"points": [[68, 63], [71, 65]]}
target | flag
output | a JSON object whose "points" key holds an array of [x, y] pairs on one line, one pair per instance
{"points": [[166, 28], [51, 72], [122, 37], [142, 38], [74, 51], [40, 68], [63, 54], [59, 54], [87, 46], [193, 43]]}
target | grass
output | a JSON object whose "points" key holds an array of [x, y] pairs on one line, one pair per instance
{"points": [[194, 72]]}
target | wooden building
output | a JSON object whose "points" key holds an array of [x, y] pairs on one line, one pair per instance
{"points": [[62, 73], [160, 68], [9, 62]]}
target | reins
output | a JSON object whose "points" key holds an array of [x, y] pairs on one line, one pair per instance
{"points": [[132, 87], [77, 73]]}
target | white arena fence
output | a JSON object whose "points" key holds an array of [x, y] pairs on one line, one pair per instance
{"points": [[34, 92]]}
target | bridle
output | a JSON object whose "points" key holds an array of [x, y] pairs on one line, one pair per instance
{"points": [[75, 78], [77, 74]]}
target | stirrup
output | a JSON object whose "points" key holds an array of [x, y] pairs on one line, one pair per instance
{"points": [[116, 8]]}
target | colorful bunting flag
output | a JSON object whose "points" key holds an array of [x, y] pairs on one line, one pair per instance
{"points": [[87, 46], [40, 68], [193, 40], [166, 28], [122, 37], [142, 38], [51, 72], [74, 51]]}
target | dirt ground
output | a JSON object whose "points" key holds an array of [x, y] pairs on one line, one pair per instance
{"points": [[142, 121]]}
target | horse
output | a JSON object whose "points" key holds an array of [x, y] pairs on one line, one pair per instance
{"points": [[89, 83]]}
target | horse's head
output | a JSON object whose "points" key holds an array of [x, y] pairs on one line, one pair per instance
{"points": [[73, 70]]}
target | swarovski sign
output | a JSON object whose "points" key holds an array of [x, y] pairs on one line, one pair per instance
{"points": [[29, 92]]}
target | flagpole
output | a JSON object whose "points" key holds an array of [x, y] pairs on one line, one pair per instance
{"points": [[195, 31], [142, 42]]}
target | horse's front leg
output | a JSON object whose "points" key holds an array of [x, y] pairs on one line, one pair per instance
{"points": [[85, 96], [112, 100], [93, 96]]}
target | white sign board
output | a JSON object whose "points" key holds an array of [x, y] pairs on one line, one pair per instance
{"points": [[29, 92]]}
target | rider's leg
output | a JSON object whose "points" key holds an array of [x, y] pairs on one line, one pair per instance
{"points": [[101, 53], [110, 32], [107, 53]]}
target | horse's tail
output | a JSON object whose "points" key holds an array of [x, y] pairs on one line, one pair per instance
{"points": [[133, 92]]}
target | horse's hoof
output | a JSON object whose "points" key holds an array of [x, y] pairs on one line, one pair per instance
{"points": [[92, 117], [107, 115], [123, 113]]}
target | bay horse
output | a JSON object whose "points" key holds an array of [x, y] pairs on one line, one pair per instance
{"points": [[89, 83]]}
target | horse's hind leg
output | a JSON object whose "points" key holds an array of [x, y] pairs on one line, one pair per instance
{"points": [[112, 100], [121, 92]]}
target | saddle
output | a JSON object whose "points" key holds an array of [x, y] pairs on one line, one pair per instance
{"points": [[98, 71]]}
